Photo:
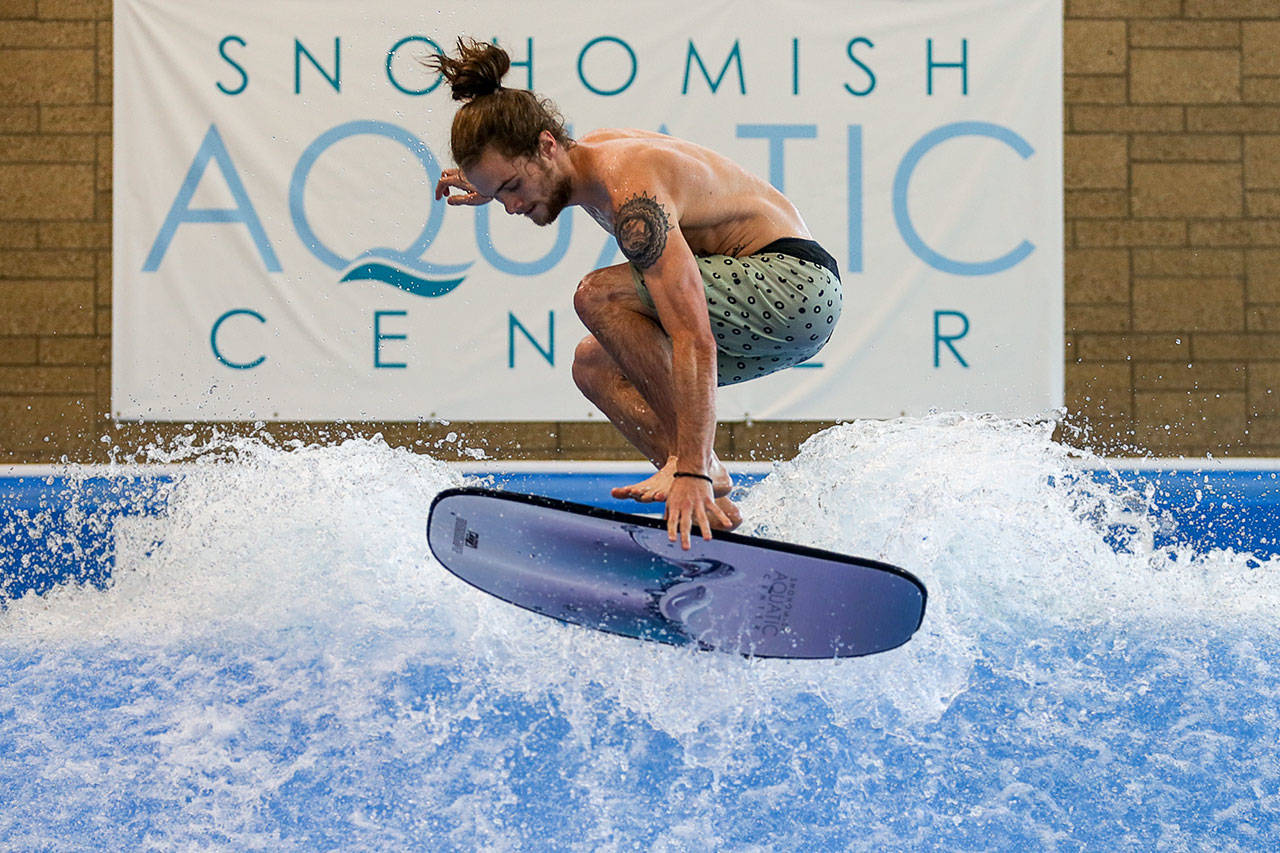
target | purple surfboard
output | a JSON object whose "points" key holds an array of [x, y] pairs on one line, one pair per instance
{"points": [[618, 573]]}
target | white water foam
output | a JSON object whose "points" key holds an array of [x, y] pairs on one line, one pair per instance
{"points": [[279, 662]]}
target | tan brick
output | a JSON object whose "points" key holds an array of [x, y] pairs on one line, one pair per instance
{"points": [[19, 350], [1228, 232], [1127, 119], [46, 380], [772, 440], [1236, 232], [18, 119], [46, 308], [1237, 119], [86, 119], [14, 34], [1264, 436], [591, 453], [61, 264], [1199, 419], [1095, 89], [46, 192], [106, 60], [531, 440], [75, 9], [1100, 376], [1097, 275], [1230, 9], [1262, 318], [103, 175], [1188, 262], [1094, 47], [1188, 304], [102, 282], [601, 434], [1264, 232], [1239, 346], [1124, 8], [37, 424], [1096, 204], [1262, 161], [18, 235], [1192, 190], [1127, 232], [1262, 272], [1149, 347], [1264, 389], [1099, 390], [1190, 376], [75, 235], [1184, 76], [1261, 54], [1262, 203], [1097, 318], [17, 8], [103, 407], [1184, 34], [46, 76], [1171, 148], [1261, 90], [1096, 161], [47, 149], [80, 351]]}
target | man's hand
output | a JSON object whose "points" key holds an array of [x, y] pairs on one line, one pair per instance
{"points": [[453, 179], [690, 502]]}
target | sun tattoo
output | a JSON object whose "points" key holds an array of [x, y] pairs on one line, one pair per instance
{"points": [[641, 227]]}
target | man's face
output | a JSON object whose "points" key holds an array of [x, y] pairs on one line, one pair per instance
{"points": [[528, 186]]}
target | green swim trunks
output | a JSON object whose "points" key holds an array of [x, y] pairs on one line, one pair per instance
{"points": [[769, 310]]}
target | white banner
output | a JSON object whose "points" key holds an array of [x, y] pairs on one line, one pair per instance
{"points": [[278, 253]]}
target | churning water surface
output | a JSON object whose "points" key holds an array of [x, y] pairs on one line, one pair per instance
{"points": [[278, 663]]}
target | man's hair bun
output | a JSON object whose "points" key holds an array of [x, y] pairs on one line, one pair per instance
{"points": [[477, 71]]}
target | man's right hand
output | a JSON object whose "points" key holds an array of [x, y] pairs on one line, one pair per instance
{"points": [[691, 502], [452, 179]]}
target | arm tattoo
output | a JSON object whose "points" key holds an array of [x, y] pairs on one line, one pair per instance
{"points": [[641, 226]]}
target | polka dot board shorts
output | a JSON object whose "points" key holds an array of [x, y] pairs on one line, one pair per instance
{"points": [[768, 311]]}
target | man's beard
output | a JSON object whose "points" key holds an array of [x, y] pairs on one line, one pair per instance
{"points": [[556, 202]]}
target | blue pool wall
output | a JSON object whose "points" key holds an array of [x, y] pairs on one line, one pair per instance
{"points": [[56, 526]]}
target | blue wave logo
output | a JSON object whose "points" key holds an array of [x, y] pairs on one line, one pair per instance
{"points": [[407, 274]]}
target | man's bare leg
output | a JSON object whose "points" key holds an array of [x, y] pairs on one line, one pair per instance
{"points": [[642, 410], [602, 382]]}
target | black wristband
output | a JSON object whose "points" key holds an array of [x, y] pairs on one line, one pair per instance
{"points": [[691, 474]]}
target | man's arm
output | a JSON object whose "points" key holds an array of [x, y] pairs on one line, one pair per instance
{"points": [[647, 229]]}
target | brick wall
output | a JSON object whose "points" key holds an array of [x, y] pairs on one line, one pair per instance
{"points": [[55, 224], [1173, 223], [1172, 179]]}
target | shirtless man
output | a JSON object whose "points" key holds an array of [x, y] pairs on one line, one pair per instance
{"points": [[722, 284]]}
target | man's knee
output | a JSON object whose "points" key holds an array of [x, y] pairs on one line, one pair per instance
{"points": [[590, 363], [603, 290]]}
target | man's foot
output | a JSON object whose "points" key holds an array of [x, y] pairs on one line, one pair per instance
{"points": [[730, 509], [656, 487]]}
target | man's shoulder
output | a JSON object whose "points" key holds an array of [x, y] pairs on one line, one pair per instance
{"points": [[622, 134], [623, 158]]}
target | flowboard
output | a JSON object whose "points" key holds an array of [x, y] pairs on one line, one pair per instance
{"points": [[619, 573]]}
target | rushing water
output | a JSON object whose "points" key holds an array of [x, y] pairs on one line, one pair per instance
{"points": [[279, 664]]}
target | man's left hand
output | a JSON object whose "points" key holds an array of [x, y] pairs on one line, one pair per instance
{"points": [[691, 502]]}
